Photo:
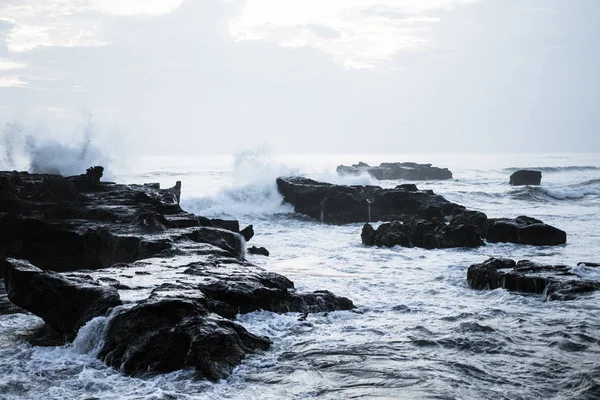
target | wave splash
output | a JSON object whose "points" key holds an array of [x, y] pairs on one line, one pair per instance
{"points": [[571, 192], [253, 191], [25, 150]]}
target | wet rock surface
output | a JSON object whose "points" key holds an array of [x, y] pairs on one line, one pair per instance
{"points": [[422, 233], [523, 230], [258, 250], [398, 170], [341, 204], [555, 282], [526, 177], [75, 248]]}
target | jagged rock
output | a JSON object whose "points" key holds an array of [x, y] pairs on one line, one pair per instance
{"points": [[421, 233], [248, 288], [463, 216], [64, 304], [258, 250], [556, 282], [173, 334], [523, 230], [247, 233], [94, 174], [406, 170], [526, 177], [346, 204]]}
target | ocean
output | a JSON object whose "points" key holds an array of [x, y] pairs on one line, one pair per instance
{"points": [[418, 332]]}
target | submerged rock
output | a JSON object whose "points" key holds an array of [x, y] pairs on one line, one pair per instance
{"points": [[555, 282], [64, 304], [346, 204], [523, 230], [158, 336], [399, 170], [526, 177]]}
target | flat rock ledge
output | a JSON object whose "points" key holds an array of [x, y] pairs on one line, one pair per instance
{"points": [[409, 171], [168, 283], [554, 282]]}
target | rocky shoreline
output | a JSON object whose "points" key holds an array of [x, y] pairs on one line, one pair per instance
{"points": [[76, 248]]}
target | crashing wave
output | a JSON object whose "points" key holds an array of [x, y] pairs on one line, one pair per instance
{"points": [[572, 192], [568, 168]]}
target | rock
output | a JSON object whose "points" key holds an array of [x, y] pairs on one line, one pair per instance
{"points": [[247, 233], [422, 233], [523, 230], [406, 170], [555, 282], [248, 288], [346, 204], [526, 177], [463, 216], [93, 174], [173, 334], [258, 250], [64, 304]]}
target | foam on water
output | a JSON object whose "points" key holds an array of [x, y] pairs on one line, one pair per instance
{"points": [[418, 331]]}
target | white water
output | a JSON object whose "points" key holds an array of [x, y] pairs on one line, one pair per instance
{"points": [[418, 332]]}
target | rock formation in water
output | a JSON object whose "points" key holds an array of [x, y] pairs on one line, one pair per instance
{"points": [[526, 177], [427, 220], [73, 246], [400, 170], [555, 282]]}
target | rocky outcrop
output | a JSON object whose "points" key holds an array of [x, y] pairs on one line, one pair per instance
{"points": [[526, 177], [399, 170], [345, 204], [167, 335], [523, 230], [555, 282], [97, 233], [64, 304], [422, 233]]}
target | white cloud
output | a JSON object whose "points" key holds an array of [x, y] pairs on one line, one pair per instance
{"points": [[12, 81], [368, 32]]}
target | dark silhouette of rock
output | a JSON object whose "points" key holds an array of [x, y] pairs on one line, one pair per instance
{"points": [[345, 204], [64, 304], [173, 334], [523, 230], [94, 174], [526, 177], [258, 250], [247, 233], [555, 282], [422, 233], [464, 216], [405, 170]]}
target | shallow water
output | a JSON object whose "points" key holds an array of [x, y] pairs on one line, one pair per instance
{"points": [[418, 330]]}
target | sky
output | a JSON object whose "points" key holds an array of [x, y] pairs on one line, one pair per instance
{"points": [[347, 76]]}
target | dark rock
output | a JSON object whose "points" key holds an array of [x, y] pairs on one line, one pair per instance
{"points": [[169, 335], [523, 230], [463, 216], [555, 282], [422, 233], [526, 177], [247, 233], [94, 174], [346, 204], [406, 170], [64, 304], [258, 250]]}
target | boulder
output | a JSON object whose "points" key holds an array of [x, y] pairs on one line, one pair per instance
{"points": [[258, 250], [64, 304], [247, 233], [94, 174], [422, 233], [526, 177], [523, 230], [555, 282], [398, 170], [158, 336]]}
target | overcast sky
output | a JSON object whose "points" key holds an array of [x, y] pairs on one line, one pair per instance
{"points": [[220, 76]]}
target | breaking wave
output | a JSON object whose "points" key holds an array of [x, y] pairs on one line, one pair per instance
{"points": [[568, 168], [253, 192], [571, 192]]}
